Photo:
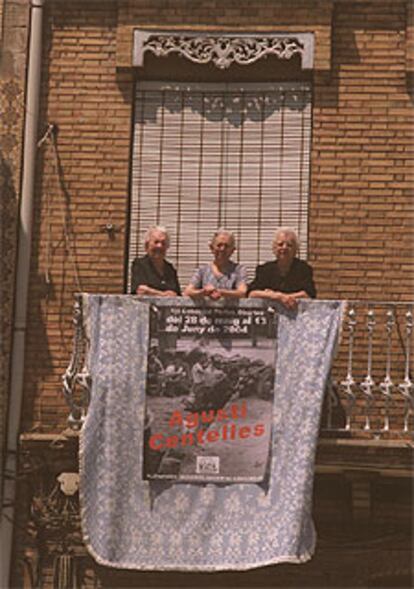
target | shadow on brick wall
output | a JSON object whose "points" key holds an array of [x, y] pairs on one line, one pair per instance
{"points": [[8, 215]]}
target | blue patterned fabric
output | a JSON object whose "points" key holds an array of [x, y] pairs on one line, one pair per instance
{"points": [[136, 524]]}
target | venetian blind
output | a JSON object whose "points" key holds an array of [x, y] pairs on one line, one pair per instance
{"points": [[220, 155]]}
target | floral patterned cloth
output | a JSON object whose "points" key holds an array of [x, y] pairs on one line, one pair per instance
{"points": [[131, 523]]}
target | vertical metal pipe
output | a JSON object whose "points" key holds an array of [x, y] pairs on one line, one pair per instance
{"points": [[22, 284]]}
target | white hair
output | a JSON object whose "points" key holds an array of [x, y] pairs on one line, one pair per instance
{"points": [[286, 231], [153, 229], [223, 231]]}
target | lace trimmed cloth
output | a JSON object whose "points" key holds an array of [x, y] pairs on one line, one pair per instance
{"points": [[132, 523]]}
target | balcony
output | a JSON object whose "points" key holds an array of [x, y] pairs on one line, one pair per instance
{"points": [[370, 391], [367, 420], [362, 491]]}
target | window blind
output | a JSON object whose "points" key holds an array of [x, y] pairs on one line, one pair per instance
{"points": [[220, 155]]}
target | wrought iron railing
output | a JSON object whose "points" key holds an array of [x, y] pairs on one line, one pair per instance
{"points": [[370, 392], [371, 389]]}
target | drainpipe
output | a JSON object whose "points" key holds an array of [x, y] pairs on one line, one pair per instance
{"points": [[21, 285]]}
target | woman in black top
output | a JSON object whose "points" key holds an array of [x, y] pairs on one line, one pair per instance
{"points": [[287, 278], [152, 275]]}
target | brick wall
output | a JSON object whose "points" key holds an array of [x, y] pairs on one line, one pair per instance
{"points": [[83, 184], [361, 202], [300, 15], [361, 211]]}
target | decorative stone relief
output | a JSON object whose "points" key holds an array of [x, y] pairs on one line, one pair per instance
{"points": [[223, 50]]}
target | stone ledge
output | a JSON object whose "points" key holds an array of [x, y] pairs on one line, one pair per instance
{"points": [[388, 458]]}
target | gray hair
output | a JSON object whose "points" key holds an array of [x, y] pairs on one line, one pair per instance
{"points": [[287, 231], [223, 231], [153, 229]]}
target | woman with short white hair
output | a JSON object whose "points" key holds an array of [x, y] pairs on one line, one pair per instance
{"points": [[286, 279], [152, 275], [221, 278]]}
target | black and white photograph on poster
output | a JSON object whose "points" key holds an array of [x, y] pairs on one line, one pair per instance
{"points": [[209, 393]]}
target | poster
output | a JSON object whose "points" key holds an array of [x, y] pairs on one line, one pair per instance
{"points": [[209, 393]]}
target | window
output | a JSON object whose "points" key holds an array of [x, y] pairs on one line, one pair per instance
{"points": [[211, 155]]}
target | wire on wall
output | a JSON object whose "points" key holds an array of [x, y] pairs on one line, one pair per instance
{"points": [[50, 140]]}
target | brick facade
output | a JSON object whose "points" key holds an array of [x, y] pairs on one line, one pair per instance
{"points": [[361, 209], [83, 185], [361, 206]]}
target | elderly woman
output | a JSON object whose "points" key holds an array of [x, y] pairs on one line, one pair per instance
{"points": [[152, 275], [222, 278], [287, 278]]}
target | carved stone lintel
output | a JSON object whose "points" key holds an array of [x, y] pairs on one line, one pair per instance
{"points": [[223, 49]]}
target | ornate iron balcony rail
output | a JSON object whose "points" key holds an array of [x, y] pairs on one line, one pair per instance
{"points": [[371, 389]]}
